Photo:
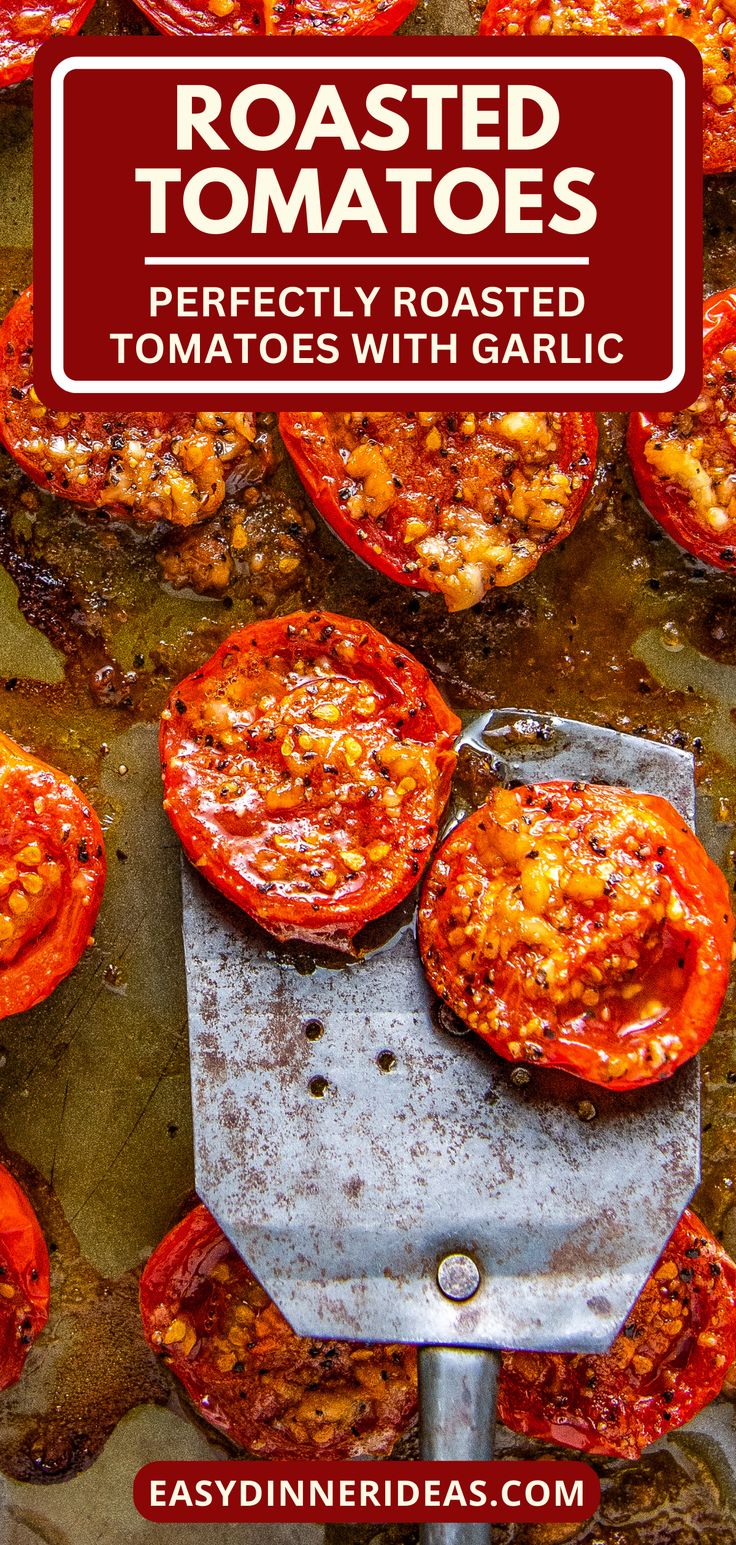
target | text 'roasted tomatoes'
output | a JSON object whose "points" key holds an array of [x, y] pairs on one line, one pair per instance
{"points": [[52, 874], [685, 463], [709, 26], [456, 503], [242, 18], [668, 1362], [153, 466], [275, 1394], [24, 1278], [582, 928], [24, 27], [306, 767]]}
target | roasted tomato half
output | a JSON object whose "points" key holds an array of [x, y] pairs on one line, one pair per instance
{"points": [[241, 18], [306, 767], [152, 466], [24, 1278], [450, 502], [278, 1395], [582, 928], [52, 874], [24, 27], [669, 1360], [710, 27], [685, 463]]}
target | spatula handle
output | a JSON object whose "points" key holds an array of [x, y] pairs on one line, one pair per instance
{"points": [[457, 1403]]}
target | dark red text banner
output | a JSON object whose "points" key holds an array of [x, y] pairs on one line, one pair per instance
{"points": [[419, 220], [363, 1492]]}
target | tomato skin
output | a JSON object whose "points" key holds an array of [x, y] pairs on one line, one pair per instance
{"points": [[310, 439], [669, 504], [19, 42], [24, 1267], [256, 813], [180, 475], [39, 806], [613, 1403], [579, 927], [285, 18], [179, 1287], [628, 18]]}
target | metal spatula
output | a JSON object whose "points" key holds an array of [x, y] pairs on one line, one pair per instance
{"points": [[388, 1179]]}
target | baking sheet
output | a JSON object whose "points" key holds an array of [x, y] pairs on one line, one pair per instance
{"points": [[616, 626]]}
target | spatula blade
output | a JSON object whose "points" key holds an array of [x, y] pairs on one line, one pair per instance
{"points": [[345, 1163]]}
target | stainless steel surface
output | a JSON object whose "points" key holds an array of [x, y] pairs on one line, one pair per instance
{"points": [[530, 747], [345, 1205], [457, 1393]]}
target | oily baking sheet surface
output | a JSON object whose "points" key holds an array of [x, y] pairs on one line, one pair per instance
{"points": [[97, 621]]}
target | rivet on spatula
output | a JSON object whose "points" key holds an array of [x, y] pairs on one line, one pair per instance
{"points": [[458, 1277]]}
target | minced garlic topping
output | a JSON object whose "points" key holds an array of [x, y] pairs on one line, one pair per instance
{"points": [[155, 467], [554, 919], [304, 778], [475, 499], [709, 24], [272, 1390], [31, 883], [665, 1364], [320, 742], [26, 24], [696, 450]]}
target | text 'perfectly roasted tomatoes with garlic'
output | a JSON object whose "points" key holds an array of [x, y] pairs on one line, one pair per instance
{"points": [[685, 463], [249, 18], [152, 466], [668, 1362], [456, 503], [24, 1278], [582, 928], [275, 1394], [52, 874], [25, 25], [709, 26], [306, 767]]}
